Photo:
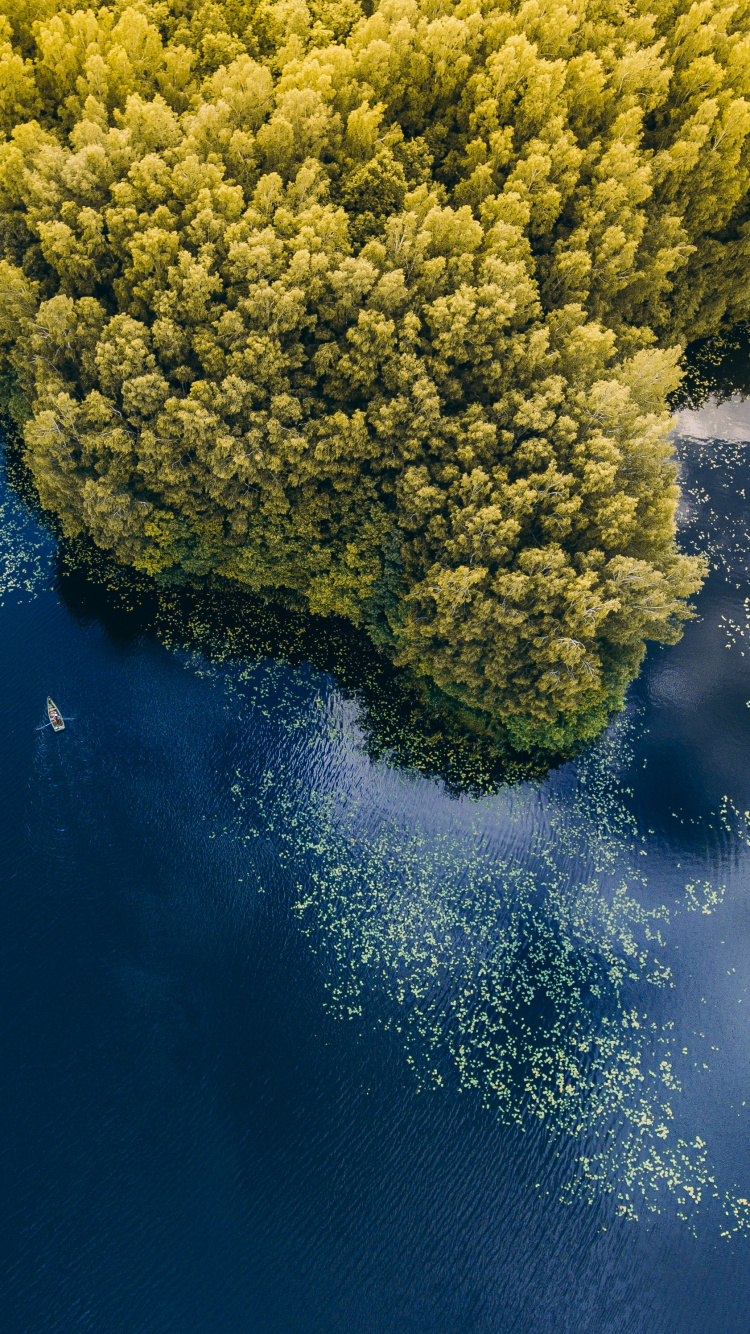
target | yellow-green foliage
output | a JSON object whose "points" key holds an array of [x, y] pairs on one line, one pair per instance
{"points": [[380, 310]]}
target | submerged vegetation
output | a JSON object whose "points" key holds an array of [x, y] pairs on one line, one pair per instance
{"points": [[376, 310]]}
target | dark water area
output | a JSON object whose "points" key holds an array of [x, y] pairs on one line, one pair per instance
{"points": [[295, 1041]]}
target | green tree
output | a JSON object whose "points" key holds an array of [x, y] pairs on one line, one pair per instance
{"points": [[379, 313]]}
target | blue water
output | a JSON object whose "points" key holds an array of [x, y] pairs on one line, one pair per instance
{"points": [[298, 1043]]}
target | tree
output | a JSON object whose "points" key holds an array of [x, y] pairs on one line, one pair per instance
{"points": [[380, 314]]}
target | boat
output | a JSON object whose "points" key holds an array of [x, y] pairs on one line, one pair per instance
{"points": [[55, 716]]}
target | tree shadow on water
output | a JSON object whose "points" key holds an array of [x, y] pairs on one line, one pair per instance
{"points": [[403, 719]]}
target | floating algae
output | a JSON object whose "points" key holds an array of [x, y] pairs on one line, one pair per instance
{"points": [[715, 497], [521, 976], [27, 552]]}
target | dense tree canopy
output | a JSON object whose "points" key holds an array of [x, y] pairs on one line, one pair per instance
{"points": [[379, 309]]}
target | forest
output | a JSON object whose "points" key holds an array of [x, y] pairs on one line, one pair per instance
{"points": [[376, 310]]}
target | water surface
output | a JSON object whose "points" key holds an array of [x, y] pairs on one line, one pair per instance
{"points": [[296, 1042]]}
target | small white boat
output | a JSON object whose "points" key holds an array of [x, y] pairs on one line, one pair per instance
{"points": [[55, 716]]}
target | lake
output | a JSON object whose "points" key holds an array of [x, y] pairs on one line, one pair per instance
{"points": [[298, 1041]]}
